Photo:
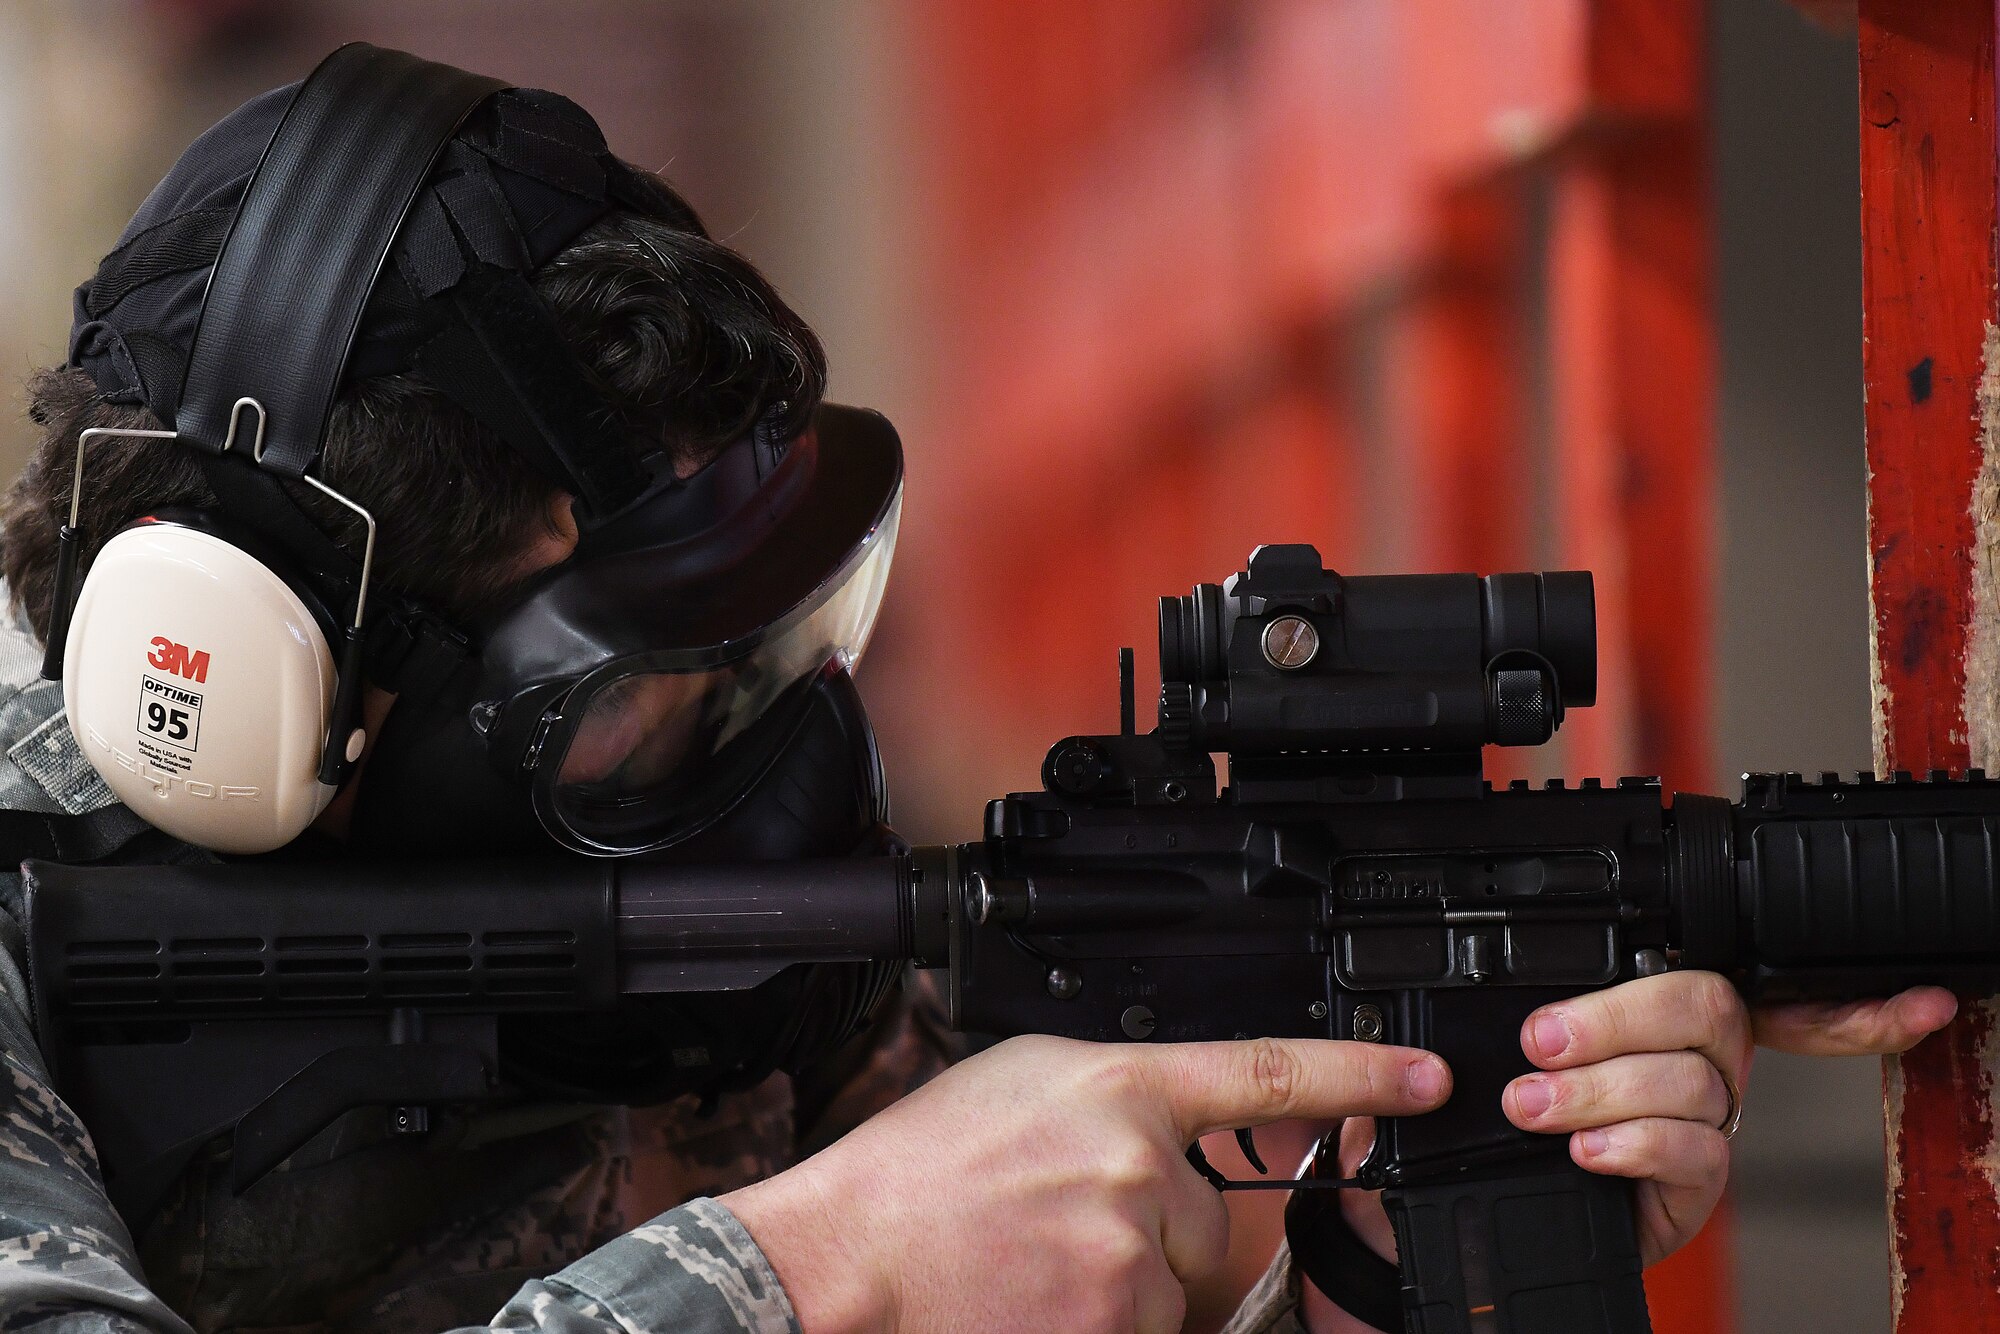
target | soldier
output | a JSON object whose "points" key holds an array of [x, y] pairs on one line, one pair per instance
{"points": [[557, 358]]}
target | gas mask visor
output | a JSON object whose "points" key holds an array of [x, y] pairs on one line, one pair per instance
{"points": [[653, 679]]}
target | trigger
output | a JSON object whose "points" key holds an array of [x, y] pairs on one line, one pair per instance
{"points": [[1247, 1142], [1199, 1161]]}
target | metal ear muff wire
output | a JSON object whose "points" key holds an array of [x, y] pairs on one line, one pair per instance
{"points": [[344, 737], [69, 548]]}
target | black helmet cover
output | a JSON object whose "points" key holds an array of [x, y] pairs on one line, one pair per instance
{"points": [[526, 173]]}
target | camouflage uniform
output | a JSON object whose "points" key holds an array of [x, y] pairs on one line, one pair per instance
{"points": [[1273, 1305], [535, 1211]]}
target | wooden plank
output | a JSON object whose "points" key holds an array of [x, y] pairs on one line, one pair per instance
{"points": [[1125, 303], [1248, 191], [1585, 462], [1469, 456], [1837, 15], [1929, 190], [1633, 354], [1633, 385], [1485, 84], [1470, 462], [1632, 464], [1664, 355]]}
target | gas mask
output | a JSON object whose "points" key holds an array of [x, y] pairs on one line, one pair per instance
{"points": [[634, 696], [677, 688]]}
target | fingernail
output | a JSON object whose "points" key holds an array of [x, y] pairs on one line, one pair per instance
{"points": [[1593, 1142], [1426, 1080], [1936, 1009], [1551, 1035], [1533, 1097]]}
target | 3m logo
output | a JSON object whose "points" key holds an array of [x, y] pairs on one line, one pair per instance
{"points": [[178, 659]]}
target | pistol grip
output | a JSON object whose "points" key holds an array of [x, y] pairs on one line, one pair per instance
{"points": [[1551, 1251]]}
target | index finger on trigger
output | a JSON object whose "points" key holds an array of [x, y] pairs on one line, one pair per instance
{"points": [[1690, 1011], [1226, 1085]]}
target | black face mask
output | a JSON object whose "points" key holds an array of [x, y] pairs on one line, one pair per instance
{"points": [[677, 690], [824, 797], [637, 695], [819, 794]]}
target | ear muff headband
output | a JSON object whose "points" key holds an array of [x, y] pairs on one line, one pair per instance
{"points": [[307, 247]]}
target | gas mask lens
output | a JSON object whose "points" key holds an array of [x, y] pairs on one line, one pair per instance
{"points": [[639, 729], [658, 748]]}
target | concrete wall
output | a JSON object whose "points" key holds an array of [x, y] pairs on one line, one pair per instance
{"points": [[1813, 1246]]}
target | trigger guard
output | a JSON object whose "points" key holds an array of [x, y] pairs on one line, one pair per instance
{"points": [[1323, 1163], [1316, 1174], [1373, 1173]]}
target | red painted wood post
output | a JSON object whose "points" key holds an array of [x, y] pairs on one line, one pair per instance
{"points": [[1929, 187], [1472, 470], [1634, 472], [1585, 462], [1633, 349], [1470, 458]]}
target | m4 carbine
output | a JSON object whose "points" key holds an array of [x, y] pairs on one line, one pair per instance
{"points": [[1357, 878]]}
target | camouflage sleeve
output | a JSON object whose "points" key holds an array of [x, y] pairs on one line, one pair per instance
{"points": [[692, 1270], [66, 1263], [907, 1044], [1273, 1305]]}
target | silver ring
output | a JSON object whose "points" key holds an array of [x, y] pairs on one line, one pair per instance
{"points": [[1733, 1118]]}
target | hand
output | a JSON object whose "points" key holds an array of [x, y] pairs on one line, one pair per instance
{"points": [[1854, 1028], [1042, 1185], [1636, 1079], [1626, 1073]]}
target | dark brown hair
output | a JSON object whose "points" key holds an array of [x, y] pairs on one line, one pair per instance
{"points": [[684, 339]]}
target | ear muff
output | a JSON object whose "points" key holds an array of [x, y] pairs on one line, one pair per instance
{"points": [[200, 685]]}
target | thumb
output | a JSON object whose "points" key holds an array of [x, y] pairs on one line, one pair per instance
{"points": [[1214, 1086]]}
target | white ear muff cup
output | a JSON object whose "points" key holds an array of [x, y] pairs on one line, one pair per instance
{"points": [[199, 685]]}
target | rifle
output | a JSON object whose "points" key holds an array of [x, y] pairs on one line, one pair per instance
{"points": [[1357, 879]]}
